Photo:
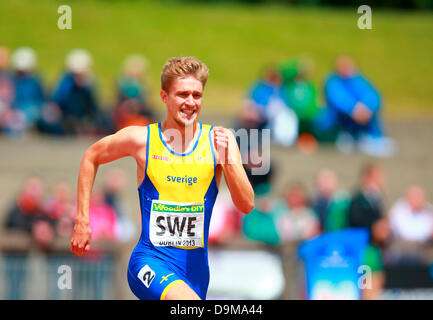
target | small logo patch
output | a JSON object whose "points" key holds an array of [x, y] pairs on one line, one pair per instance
{"points": [[159, 157], [146, 275]]}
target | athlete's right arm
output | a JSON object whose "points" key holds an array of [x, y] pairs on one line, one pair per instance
{"points": [[126, 142]]}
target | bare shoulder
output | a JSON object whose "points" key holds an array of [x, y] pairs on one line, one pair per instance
{"points": [[136, 135]]}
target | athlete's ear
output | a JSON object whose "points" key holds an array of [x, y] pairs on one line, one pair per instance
{"points": [[163, 95]]}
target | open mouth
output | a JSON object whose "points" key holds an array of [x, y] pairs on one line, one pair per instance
{"points": [[187, 113]]}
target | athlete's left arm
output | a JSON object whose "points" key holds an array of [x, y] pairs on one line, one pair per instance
{"points": [[229, 159]]}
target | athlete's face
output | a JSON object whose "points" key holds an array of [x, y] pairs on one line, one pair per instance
{"points": [[183, 100]]}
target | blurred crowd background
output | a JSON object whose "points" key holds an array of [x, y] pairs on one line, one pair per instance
{"points": [[327, 126], [284, 99], [72, 106]]}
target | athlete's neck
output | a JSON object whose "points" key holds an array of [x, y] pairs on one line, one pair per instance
{"points": [[179, 137]]}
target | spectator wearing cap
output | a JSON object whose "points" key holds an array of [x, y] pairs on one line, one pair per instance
{"points": [[73, 108], [28, 97], [300, 92]]}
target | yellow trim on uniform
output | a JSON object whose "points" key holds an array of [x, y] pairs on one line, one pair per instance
{"points": [[169, 286]]}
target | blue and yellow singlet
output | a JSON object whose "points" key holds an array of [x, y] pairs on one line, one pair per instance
{"points": [[177, 195]]}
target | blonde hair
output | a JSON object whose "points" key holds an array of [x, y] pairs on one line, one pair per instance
{"points": [[180, 67]]}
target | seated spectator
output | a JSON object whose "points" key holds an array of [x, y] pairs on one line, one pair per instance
{"points": [[366, 211], [260, 94], [28, 98], [299, 91], [6, 88], [357, 106], [132, 107], [329, 203], [265, 108], [74, 108], [298, 221], [411, 217]]}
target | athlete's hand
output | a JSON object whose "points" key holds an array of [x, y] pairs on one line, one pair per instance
{"points": [[81, 235], [221, 142]]}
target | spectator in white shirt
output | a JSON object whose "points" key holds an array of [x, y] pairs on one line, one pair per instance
{"points": [[411, 217]]}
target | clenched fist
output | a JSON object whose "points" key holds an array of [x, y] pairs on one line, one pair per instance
{"points": [[81, 235], [222, 144]]}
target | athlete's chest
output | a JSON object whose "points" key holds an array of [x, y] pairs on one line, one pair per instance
{"points": [[192, 173]]}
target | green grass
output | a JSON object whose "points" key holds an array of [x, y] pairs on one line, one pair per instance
{"points": [[235, 41]]}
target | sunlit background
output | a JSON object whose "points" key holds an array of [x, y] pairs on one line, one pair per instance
{"points": [[344, 212]]}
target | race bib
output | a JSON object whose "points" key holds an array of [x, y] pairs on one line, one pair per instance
{"points": [[176, 224]]}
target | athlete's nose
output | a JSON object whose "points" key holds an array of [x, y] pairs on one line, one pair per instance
{"points": [[189, 100]]}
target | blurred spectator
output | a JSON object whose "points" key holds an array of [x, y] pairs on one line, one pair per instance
{"points": [[265, 108], [28, 96], [28, 204], [6, 88], [329, 203], [60, 206], [43, 234], [97, 265], [299, 221], [103, 219], [357, 105], [411, 217], [366, 211], [74, 108], [259, 96], [132, 106], [28, 213], [261, 224], [114, 184], [300, 92], [226, 219]]}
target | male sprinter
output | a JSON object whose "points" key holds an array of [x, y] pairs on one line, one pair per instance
{"points": [[179, 167]]}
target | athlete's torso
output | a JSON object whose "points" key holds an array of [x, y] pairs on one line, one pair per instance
{"points": [[176, 200]]}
